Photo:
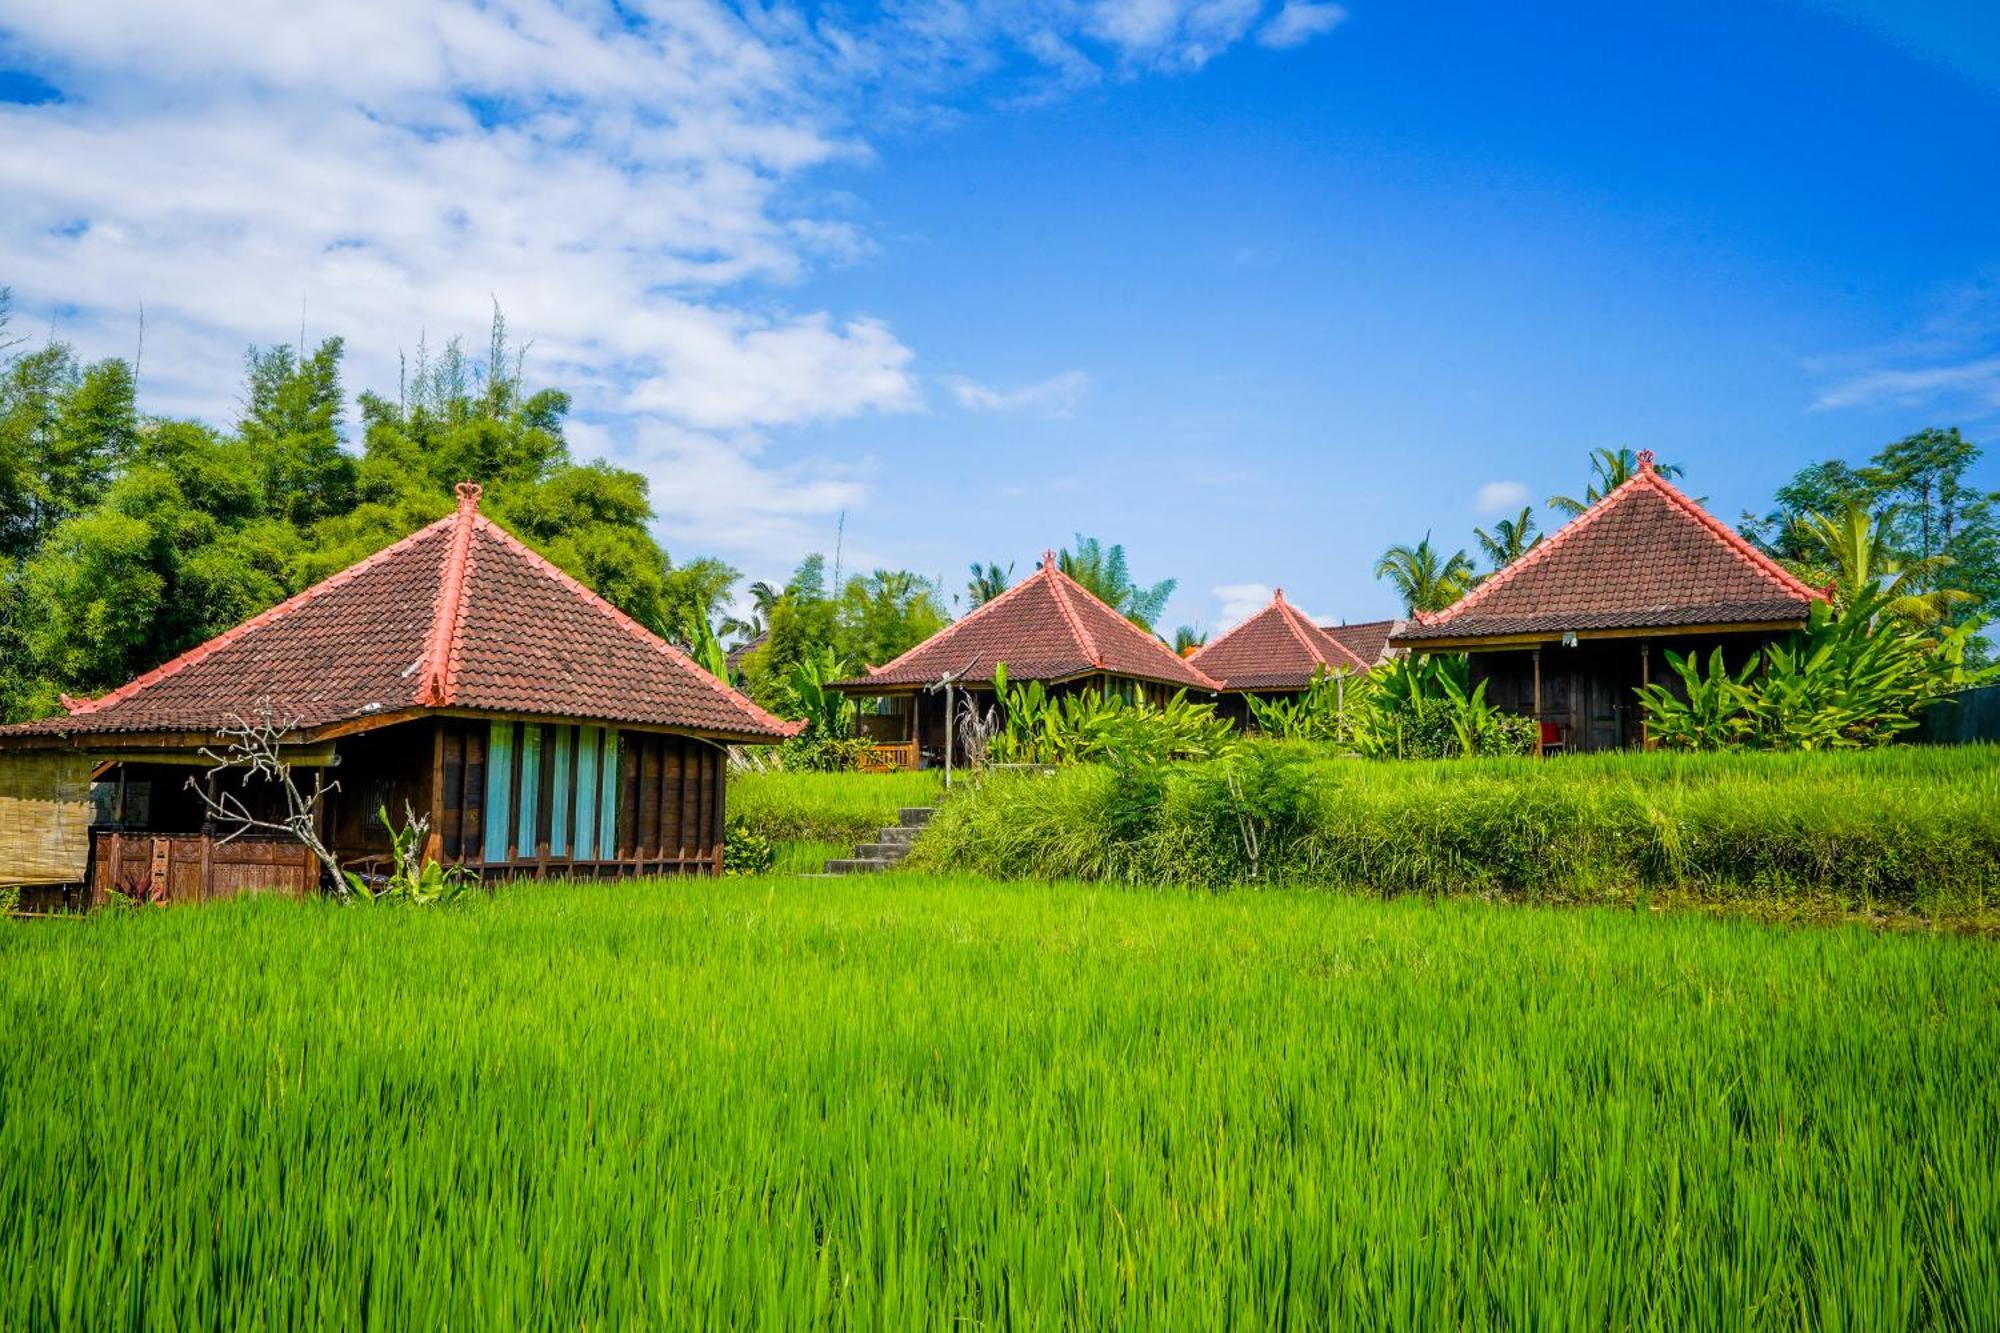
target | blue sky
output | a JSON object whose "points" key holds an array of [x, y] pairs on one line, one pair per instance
{"points": [[1254, 288]]}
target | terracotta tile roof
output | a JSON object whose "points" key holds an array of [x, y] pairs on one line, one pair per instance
{"points": [[1366, 639], [456, 615], [1046, 627], [1643, 556], [1276, 649]]}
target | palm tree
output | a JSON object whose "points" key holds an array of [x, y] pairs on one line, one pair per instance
{"points": [[1510, 539], [988, 582], [1187, 638], [1102, 571], [1609, 469], [1426, 580], [1857, 549], [764, 595]]}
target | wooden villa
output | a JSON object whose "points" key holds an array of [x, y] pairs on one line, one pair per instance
{"points": [[1276, 653], [1047, 628], [456, 674], [1567, 633]]}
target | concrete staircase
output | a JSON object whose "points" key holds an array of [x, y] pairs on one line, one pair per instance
{"points": [[890, 846]]}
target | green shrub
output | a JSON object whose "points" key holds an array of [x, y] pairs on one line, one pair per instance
{"points": [[744, 850], [812, 753], [1908, 829]]}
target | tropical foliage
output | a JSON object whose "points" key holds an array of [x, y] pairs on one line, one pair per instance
{"points": [[1856, 676], [1033, 727], [1510, 539], [1928, 529], [988, 581], [1609, 469], [1319, 713], [873, 618], [1425, 706], [414, 879], [1425, 577]]}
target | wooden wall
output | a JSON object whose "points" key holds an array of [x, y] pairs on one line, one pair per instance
{"points": [[554, 798], [505, 797]]}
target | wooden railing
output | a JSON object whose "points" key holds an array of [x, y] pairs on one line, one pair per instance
{"points": [[890, 758], [191, 867]]}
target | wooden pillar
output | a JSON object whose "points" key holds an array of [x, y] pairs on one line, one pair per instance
{"points": [[1645, 679], [1538, 702], [434, 843]]}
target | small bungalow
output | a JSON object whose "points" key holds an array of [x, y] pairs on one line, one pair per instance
{"points": [[456, 674], [1048, 628], [1277, 652], [1567, 633]]}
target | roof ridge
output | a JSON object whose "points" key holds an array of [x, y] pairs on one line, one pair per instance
{"points": [[744, 705], [440, 649], [173, 666], [966, 619], [1537, 555], [1739, 544], [1145, 636], [1084, 639], [1285, 614], [1307, 632]]}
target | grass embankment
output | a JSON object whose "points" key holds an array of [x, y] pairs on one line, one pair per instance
{"points": [[1908, 830], [831, 807], [924, 1104], [813, 817]]}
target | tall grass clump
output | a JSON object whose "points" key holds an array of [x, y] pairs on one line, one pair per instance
{"points": [[946, 1103], [1907, 829]]}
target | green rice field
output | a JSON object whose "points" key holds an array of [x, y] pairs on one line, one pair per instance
{"points": [[953, 1103]]}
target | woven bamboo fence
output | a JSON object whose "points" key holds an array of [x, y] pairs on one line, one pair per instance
{"points": [[44, 818]]}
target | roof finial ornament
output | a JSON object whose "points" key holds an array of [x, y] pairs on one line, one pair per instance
{"points": [[468, 493], [1645, 460], [1277, 594], [1048, 559]]}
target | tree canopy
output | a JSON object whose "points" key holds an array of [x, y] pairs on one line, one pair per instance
{"points": [[126, 539]]}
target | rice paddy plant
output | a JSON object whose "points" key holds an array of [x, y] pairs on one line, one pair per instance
{"points": [[827, 807], [949, 1102], [1902, 829]]}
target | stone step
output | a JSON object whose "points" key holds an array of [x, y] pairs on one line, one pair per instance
{"points": [[857, 865], [899, 835], [916, 816], [882, 851]]}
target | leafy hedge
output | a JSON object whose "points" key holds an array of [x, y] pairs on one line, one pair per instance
{"points": [[1909, 829]]}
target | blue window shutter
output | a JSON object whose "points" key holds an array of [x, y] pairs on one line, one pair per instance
{"points": [[587, 742], [559, 795], [531, 782], [499, 789], [607, 804]]}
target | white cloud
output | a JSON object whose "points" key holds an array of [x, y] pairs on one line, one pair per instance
{"points": [[1501, 497], [1056, 396], [1237, 602], [625, 180], [1974, 382], [1298, 22]]}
